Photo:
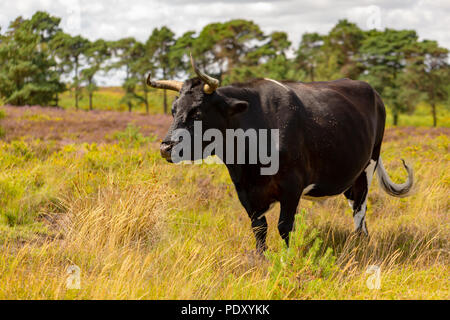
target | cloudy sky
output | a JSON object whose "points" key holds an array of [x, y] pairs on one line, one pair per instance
{"points": [[114, 19]]}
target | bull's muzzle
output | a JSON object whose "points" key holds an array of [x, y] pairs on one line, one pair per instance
{"points": [[166, 150]]}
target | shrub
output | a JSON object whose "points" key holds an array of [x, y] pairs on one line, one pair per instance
{"points": [[305, 262], [131, 136]]}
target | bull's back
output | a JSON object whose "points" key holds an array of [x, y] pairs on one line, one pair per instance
{"points": [[342, 123]]}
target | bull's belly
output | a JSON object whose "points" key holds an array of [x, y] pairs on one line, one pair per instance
{"points": [[318, 199], [313, 193]]}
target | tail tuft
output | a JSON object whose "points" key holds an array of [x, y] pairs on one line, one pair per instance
{"points": [[395, 190]]}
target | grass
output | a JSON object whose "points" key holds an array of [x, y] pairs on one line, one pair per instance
{"points": [[421, 117], [108, 98], [140, 228]]}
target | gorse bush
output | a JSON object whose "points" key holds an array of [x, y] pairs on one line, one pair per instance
{"points": [[140, 228], [132, 136], [305, 262]]}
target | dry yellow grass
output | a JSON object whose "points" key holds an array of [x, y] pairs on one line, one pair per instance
{"points": [[140, 228]]}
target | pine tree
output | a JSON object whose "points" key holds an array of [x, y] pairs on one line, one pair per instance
{"points": [[28, 74]]}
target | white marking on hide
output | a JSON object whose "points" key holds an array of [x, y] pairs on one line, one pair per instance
{"points": [[270, 208], [369, 172], [317, 198], [350, 203], [360, 216], [308, 189], [262, 215], [278, 83], [310, 198]]}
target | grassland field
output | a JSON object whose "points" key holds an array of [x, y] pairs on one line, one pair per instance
{"points": [[108, 98], [90, 189]]}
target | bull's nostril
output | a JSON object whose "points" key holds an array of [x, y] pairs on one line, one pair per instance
{"points": [[166, 144], [165, 150]]}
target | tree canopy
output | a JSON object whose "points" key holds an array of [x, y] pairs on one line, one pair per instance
{"points": [[28, 74], [39, 60]]}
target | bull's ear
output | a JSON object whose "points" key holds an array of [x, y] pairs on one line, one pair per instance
{"points": [[236, 106]]}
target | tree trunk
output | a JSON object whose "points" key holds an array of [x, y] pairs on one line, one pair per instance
{"points": [[165, 93], [76, 97], [433, 111], [57, 99], [90, 101], [129, 106], [146, 101], [395, 118], [165, 101], [76, 81]]}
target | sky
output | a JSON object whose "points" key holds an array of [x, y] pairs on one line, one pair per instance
{"points": [[115, 19]]}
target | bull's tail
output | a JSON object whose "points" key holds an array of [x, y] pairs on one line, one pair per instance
{"points": [[396, 190]]}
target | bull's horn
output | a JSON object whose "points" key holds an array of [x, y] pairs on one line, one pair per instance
{"points": [[211, 84], [164, 84]]}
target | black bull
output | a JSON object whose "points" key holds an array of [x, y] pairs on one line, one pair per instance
{"points": [[330, 136]]}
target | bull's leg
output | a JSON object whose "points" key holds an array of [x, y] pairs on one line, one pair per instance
{"points": [[357, 198], [287, 216], [256, 214], [259, 226]]}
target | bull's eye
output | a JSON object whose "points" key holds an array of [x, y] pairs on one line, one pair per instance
{"points": [[173, 112]]}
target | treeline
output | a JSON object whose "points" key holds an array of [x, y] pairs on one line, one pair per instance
{"points": [[39, 61]]}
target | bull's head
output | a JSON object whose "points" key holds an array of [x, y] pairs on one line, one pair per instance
{"points": [[198, 100]]}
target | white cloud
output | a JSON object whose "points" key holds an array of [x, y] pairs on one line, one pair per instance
{"points": [[292, 16], [114, 19]]}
